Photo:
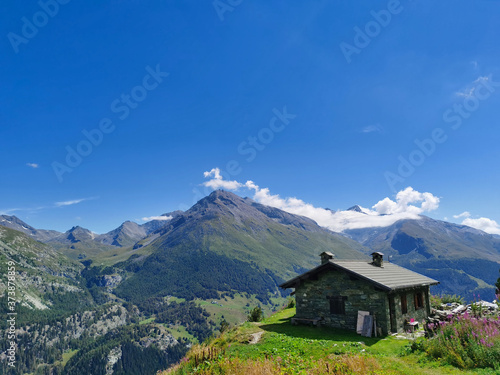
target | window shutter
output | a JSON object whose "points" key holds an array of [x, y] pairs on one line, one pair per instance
{"points": [[337, 305], [404, 304]]}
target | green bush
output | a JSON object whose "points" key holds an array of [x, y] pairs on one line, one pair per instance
{"points": [[224, 326], [256, 315]]}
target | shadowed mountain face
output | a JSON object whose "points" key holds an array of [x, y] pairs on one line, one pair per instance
{"points": [[226, 242], [126, 234], [465, 260], [129, 233], [153, 225]]}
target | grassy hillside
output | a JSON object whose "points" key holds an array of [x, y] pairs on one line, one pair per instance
{"points": [[44, 278], [82, 249], [286, 349]]}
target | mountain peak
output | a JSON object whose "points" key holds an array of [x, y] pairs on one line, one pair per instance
{"points": [[13, 222], [223, 194], [78, 228], [355, 208], [221, 203], [221, 199]]}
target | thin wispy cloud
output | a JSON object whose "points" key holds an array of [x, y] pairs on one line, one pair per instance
{"points": [[9, 211], [71, 202], [371, 129], [60, 204], [33, 165], [12, 211], [470, 90], [408, 204], [162, 218], [463, 214]]}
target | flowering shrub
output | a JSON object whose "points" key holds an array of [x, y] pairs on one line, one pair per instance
{"points": [[466, 341]]}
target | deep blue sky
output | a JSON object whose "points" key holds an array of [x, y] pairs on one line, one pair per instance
{"points": [[226, 76]]}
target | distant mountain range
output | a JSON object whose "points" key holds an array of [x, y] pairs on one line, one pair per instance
{"points": [[79, 243], [465, 260], [223, 233]]}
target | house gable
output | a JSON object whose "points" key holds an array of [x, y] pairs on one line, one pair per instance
{"points": [[335, 297]]}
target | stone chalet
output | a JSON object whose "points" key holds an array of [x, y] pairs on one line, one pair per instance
{"points": [[333, 293]]}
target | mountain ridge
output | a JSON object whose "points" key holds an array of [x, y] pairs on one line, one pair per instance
{"points": [[465, 260], [228, 232]]}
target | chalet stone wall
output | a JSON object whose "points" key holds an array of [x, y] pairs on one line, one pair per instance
{"points": [[312, 300], [412, 312]]}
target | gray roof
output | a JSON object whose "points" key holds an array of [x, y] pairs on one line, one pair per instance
{"points": [[389, 277]]}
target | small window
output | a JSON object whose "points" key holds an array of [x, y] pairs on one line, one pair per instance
{"points": [[419, 301], [337, 305], [404, 304]]}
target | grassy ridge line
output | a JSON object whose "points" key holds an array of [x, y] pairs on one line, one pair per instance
{"points": [[287, 349]]}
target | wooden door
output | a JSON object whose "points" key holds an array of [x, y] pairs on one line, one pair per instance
{"points": [[392, 314]]}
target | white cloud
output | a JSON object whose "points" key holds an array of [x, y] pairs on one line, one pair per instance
{"points": [[9, 211], [68, 203], [471, 89], [33, 165], [463, 214], [71, 202], [371, 129], [402, 204], [484, 224], [218, 182], [215, 172], [385, 213], [163, 218]]}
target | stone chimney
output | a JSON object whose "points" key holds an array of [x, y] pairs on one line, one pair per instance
{"points": [[326, 256], [377, 259]]}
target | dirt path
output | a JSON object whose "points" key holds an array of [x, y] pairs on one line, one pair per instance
{"points": [[255, 337]]}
